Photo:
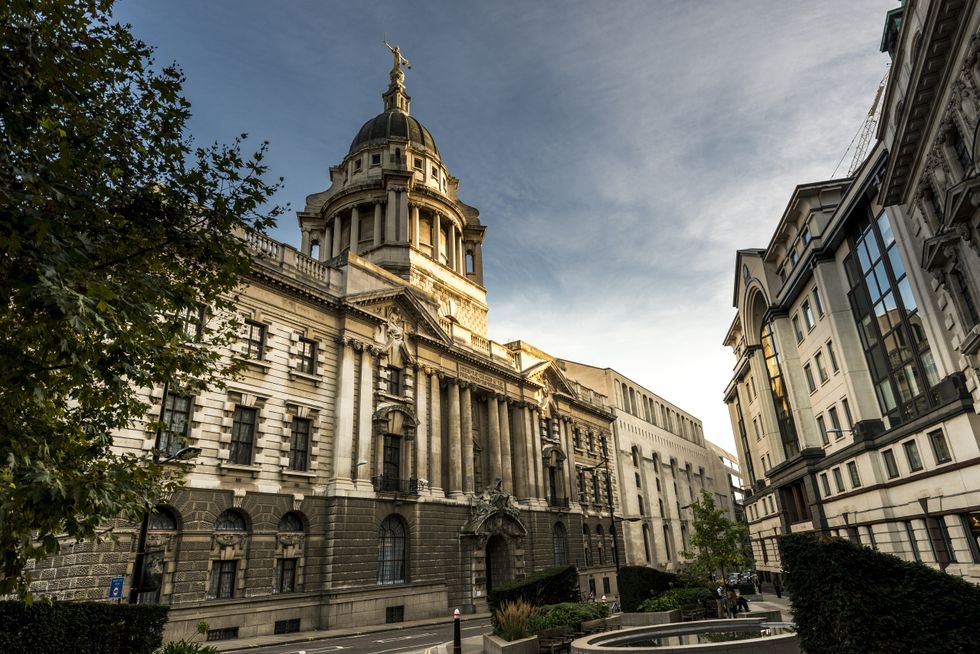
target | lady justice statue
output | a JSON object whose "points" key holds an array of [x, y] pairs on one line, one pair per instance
{"points": [[397, 76]]}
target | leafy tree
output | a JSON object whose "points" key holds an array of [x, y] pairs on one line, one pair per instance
{"points": [[717, 543], [114, 230]]}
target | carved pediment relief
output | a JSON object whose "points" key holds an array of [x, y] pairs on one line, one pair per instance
{"points": [[402, 315]]}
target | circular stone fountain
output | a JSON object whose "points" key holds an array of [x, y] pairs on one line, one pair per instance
{"points": [[705, 636]]}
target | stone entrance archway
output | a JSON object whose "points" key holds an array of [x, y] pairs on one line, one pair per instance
{"points": [[492, 545], [498, 562]]}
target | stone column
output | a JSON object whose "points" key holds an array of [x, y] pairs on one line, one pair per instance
{"points": [[478, 262], [493, 439], [391, 217], [451, 246], [326, 248], [435, 436], [403, 216], [537, 460], [337, 233], [422, 433], [519, 453], [506, 464], [566, 444], [355, 229], [532, 453], [305, 242], [466, 426], [343, 430], [364, 414], [460, 255], [377, 224], [436, 246], [415, 226], [455, 441]]}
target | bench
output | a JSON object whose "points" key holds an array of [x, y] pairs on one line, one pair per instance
{"points": [[556, 640]]}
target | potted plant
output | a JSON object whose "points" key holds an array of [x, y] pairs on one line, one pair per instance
{"points": [[512, 630]]}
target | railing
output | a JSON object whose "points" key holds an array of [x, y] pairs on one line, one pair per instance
{"points": [[311, 267], [263, 245], [389, 484], [480, 343], [561, 502], [447, 325]]}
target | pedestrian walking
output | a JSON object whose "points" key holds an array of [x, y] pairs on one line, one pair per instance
{"points": [[732, 602], [778, 587]]}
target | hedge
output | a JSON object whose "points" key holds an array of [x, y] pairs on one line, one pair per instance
{"points": [[847, 598], [680, 598], [551, 586], [90, 627], [638, 583], [568, 613]]}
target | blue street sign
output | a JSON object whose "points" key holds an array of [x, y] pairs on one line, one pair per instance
{"points": [[115, 588]]}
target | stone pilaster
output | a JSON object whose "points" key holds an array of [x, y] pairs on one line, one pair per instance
{"points": [[326, 248], [493, 439], [435, 436], [455, 466], [377, 224], [436, 230], [337, 234], [506, 464], [391, 217], [466, 426], [364, 414], [422, 434], [343, 431], [415, 225], [355, 229], [519, 453]]}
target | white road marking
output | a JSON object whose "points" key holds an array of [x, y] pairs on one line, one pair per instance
{"points": [[410, 637]]}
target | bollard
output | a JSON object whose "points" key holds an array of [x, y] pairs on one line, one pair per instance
{"points": [[457, 642]]}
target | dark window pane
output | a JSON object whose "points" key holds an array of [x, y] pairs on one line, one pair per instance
{"points": [[242, 436]]}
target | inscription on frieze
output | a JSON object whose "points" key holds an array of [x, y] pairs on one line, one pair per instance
{"points": [[479, 377]]}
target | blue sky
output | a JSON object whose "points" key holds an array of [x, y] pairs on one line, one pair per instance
{"points": [[619, 152]]}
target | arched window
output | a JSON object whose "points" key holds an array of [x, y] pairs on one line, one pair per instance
{"points": [[559, 542], [391, 551], [230, 520], [780, 400], [162, 519], [646, 543], [636, 457], [587, 544], [599, 545], [291, 522]]}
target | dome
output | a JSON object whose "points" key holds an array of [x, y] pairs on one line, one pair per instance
{"points": [[393, 125]]}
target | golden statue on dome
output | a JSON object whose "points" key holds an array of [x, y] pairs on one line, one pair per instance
{"points": [[397, 76]]}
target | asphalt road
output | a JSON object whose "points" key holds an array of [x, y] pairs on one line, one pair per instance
{"points": [[395, 641]]}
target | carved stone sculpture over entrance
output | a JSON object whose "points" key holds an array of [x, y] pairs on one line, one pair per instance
{"points": [[493, 539]]}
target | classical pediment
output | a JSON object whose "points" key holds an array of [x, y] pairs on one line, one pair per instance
{"points": [[402, 313], [547, 375]]}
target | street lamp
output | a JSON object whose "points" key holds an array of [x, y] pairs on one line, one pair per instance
{"points": [[183, 454]]}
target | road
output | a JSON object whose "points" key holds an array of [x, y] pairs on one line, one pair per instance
{"points": [[395, 641]]}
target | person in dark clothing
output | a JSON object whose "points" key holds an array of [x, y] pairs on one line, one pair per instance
{"points": [[778, 587], [743, 604]]}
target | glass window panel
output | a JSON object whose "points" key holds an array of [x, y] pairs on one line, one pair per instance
{"points": [[872, 285], [879, 366], [891, 466], [912, 454], [939, 448], [914, 382], [872, 244], [882, 277], [890, 306], [854, 273], [929, 364], [918, 333], [895, 259], [885, 395], [868, 333], [884, 226], [881, 315], [907, 298], [863, 258]]}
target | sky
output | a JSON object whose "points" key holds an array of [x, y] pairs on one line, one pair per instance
{"points": [[619, 152]]}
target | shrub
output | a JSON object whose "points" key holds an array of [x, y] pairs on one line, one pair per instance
{"points": [[568, 613], [848, 598], [90, 627], [513, 620], [551, 586], [186, 647], [679, 598], [637, 583]]}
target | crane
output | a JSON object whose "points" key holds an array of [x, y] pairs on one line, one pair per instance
{"points": [[863, 137]]}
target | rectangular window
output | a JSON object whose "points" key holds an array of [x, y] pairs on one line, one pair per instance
{"points": [[811, 384], [833, 356], [947, 541], [375, 159], [847, 413], [891, 465], [793, 256], [838, 480], [912, 455], [939, 448], [254, 340], [821, 369], [910, 534], [307, 356], [825, 484], [835, 422], [287, 626], [194, 319], [176, 424], [286, 576], [852, 470], [808, 315], [299, 445], [394, 381], [223, 579], [816, 301], [755, 426], [823, 430], [418, 163], [358, 163], [242, 436], [797, 330], [971, 525]]}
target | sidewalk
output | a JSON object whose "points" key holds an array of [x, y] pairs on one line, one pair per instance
{"points": [[772, 603], [305, 636]]}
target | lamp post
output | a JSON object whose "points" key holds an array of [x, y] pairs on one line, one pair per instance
{"points": [[183, 454]]}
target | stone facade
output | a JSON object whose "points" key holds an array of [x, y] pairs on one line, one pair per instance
{"points": [[854, 400], [379, 459], [664, 463]]}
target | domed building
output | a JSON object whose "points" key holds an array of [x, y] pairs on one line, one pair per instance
{"points": [[380, 459]]}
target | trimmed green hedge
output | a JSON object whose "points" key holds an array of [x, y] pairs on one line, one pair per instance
{"points": [[90, 627], [551, 586], [637, 583], [567, 613], [847, 598], [680, 598]]}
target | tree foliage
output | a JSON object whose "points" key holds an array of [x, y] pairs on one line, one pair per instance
{"points": [[114, 228], [717, 543]]}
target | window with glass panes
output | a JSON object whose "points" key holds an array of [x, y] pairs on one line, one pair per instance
{"points": [[811, 384], [307, 356], [797, 330], [242, 436], [784, 418], [808, 315], [816, 301], [852, 471], [838, 480], [821, 369], [286, 575], [254, 340], [912, 455], [825, 484], [394, 380], [891, 465], [299, 445], [222, 579], [835, 422], [822, 426], [833, 356], [939, 448], [176, 423], [892, 336]]}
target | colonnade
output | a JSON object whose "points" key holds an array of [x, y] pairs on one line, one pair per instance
{"points": [[395, 220]]}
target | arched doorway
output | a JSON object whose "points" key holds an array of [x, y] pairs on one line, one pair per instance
{"points": [[499, 569]]}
